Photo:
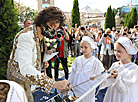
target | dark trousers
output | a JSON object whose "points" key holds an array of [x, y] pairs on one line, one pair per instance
{"points": [[99, 49], [65, 67], [48, 70]]}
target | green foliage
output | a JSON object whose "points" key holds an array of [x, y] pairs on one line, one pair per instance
{"points": [[75, 14], [70, 61], [126, 19], [131, 18], [109, 18], [8, 29], [25, 12], [122, 22], [114, 24]]}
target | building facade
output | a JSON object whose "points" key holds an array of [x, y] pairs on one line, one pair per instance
{"points": [[87, 17], [44, 4]]}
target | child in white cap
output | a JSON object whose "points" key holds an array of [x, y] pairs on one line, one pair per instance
{"points": [[11, 91], [83, 68], [122, 84]]}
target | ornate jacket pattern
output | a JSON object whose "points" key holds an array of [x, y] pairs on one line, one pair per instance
{"points": [[25, 59]]}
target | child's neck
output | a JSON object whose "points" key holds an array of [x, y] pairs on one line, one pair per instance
{"points": [[88, 56], [124, 61]]}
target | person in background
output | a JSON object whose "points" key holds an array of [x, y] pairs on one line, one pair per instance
{"points": [[63, 53], [27, 23], [126, 29], [132, 37], [98, 43], [82, 31], [72, 41], [117, 35], [113, 31], [128, 34], [67, 30], [122, 29], [136, 27], [106, 53], [77, 45]]}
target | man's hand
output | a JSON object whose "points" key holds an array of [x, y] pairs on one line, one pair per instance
{"points": [[62, 85]]}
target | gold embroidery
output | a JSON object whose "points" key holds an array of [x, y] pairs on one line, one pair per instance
{"points": [[42, 81], [11, 93], [38, 53]]}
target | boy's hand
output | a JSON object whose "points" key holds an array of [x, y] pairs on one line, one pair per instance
{"points": [[92, 78], [114, 74], [75, 98]]}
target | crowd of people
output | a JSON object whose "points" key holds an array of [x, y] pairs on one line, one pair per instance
{"points": [[95, 50], [105, 39], [111, 46]]}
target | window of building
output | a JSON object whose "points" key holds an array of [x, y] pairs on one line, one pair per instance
{"points": [[45, 5]]}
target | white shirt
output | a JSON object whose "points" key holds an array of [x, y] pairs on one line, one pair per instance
{"points": [[82, 70], [124, 87]]}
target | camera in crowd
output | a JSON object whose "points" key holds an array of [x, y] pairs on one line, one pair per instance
{"points": [[59, 33], [136, 26], [82, 28], [124, 34], [129, 32], [125, 30], [106, 34], [114, 30]]}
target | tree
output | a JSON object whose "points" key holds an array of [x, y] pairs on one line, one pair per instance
{"points": [[133, 18], [114, 24], [25, 12], [126, 20], [8, 29], [75, 14], [108, 18]]}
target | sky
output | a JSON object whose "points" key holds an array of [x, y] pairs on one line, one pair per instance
{"points": [[67, 5]]}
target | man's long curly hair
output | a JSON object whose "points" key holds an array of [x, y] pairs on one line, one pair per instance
{"points": [[53, 14]]}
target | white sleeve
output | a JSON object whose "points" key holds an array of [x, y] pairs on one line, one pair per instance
{"points": [[24, 56], [109, 81], [74, 64], [98, 67], [125, 84]]}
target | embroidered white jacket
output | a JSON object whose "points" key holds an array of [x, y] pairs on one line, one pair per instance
{"points": [[25, 59]]}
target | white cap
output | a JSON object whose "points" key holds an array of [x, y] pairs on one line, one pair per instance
{"points": [[90, 41], [127, 44], [16, 92]]}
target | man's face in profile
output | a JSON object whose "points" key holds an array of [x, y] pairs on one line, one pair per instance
{"points": [[27, 23]]}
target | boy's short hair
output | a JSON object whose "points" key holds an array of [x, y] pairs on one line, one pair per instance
{"points": [[26, 20]]}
